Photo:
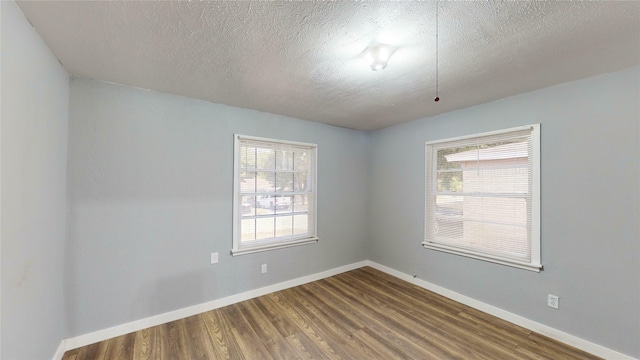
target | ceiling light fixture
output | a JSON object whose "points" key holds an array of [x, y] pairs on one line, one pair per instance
{"points": [[379, 56]]}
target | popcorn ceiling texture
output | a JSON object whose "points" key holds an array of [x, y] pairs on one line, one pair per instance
{"points": [[305, 59]]}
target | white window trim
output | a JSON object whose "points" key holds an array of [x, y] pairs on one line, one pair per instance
{"points": [[535, 264], [281, 242]]}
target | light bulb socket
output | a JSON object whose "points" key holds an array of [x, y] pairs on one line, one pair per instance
{"points": [[379, 56]]}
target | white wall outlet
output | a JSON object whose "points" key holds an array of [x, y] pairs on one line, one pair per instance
{"points": [[553, 301], [264, 268], [214, 258]]}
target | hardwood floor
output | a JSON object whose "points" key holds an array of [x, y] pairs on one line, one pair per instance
{"points": [[360, 314]]}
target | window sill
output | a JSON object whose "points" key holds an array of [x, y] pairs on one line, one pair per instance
{"points": [[255, 249], [484, 257]]}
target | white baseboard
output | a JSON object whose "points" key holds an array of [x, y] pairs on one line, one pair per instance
{"points": [[60, 351], [553, 333], [100, 335], [83, 340]]}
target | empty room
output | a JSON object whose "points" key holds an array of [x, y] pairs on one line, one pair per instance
{"points": [[319, 180]]}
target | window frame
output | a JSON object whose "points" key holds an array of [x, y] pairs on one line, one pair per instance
{"points": [[274, 242], [535, 263]]}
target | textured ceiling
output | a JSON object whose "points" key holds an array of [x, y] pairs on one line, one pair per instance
{"points": [[305, 59]]}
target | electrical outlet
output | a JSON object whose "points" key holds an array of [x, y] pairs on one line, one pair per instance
{"points": [[264, 268], [214, 258], [553, 301]]}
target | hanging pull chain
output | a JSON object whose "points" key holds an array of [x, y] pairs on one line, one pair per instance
{"points": [[436, 99]]}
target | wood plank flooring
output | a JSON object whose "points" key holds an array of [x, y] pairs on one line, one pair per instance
{"points": [[360, 314]]}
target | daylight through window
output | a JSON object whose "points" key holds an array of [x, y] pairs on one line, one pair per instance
{"points": [[483, 195], [274, 194]]}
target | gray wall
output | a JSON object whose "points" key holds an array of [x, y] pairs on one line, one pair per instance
{"points": [[590, 200], [150, 192], [35, 99]]}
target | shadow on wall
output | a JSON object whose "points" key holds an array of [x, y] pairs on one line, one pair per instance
{"points": [[120, 302], [68, 280]]}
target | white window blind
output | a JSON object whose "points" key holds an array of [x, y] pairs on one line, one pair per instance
{"points": [[274, 194], [482, 196]]}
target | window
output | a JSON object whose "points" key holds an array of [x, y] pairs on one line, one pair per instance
{"points": [[483, 196], [274, 202]]}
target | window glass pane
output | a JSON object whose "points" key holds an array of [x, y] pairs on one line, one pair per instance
{"points": [[284, 204], [284, 160], [450, 181], [247, 181], [300, 203], [284, 182], [284, 226], [300, 224], [301, 160], [248, 229], [266, 159], [247, 157], [265, 181], [443, 162], [300, 181], [247, 206], [265, 228]]}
